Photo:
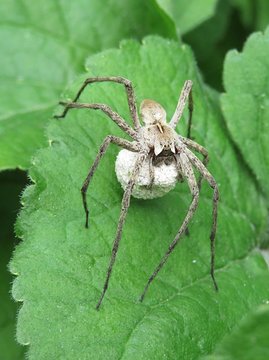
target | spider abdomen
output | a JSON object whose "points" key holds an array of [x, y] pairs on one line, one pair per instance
{"points": [[164, 179]]}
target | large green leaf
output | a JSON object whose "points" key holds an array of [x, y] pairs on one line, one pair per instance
{"points": [[248, 341], [61, 266], [43, 44], [246, 103], [188, 14], [11, 185]]}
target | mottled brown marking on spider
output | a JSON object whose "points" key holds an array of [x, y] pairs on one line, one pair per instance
{"points": [[151, 164]]}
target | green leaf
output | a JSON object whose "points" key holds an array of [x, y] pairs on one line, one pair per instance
{"points": [[11, 185], [248, 341], [62, 266], [262, 11], [210, 54], [246, 10], [188, 14], [246, 103], [254, 14], [44, 45]]}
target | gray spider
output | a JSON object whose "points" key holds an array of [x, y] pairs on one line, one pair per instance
{"points": [[150, 165]]}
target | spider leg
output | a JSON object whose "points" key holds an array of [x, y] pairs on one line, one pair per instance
{"points": [[186, 93], [102, 150], [106, 109], [199, 148], [189, 175], [190, 107], [124, 208], [213, 184], [180, 178], [179, 169], [194, 145], [117, 79]]}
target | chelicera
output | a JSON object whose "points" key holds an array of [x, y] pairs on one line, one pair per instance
{"points": [[151, 164]]}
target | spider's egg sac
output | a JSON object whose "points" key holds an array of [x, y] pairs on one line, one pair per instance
{"points": [[165, 176]]}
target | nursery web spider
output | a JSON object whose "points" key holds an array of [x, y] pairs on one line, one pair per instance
{"points": [[155, 144]]}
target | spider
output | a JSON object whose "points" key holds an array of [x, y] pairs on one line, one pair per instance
{"points": [[154, 146]]}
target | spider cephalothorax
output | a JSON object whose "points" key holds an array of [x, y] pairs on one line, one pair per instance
{"points": [[157, 134], [151, 164]]}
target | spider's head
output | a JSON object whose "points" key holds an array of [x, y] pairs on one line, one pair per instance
{"points": [[152, 112], [158, 134]]}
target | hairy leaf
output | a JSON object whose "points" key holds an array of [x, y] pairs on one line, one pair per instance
{"points": [[188, 14], [61, 266], [248, 341], [43, 44], [11, 184], [246, 103]]}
